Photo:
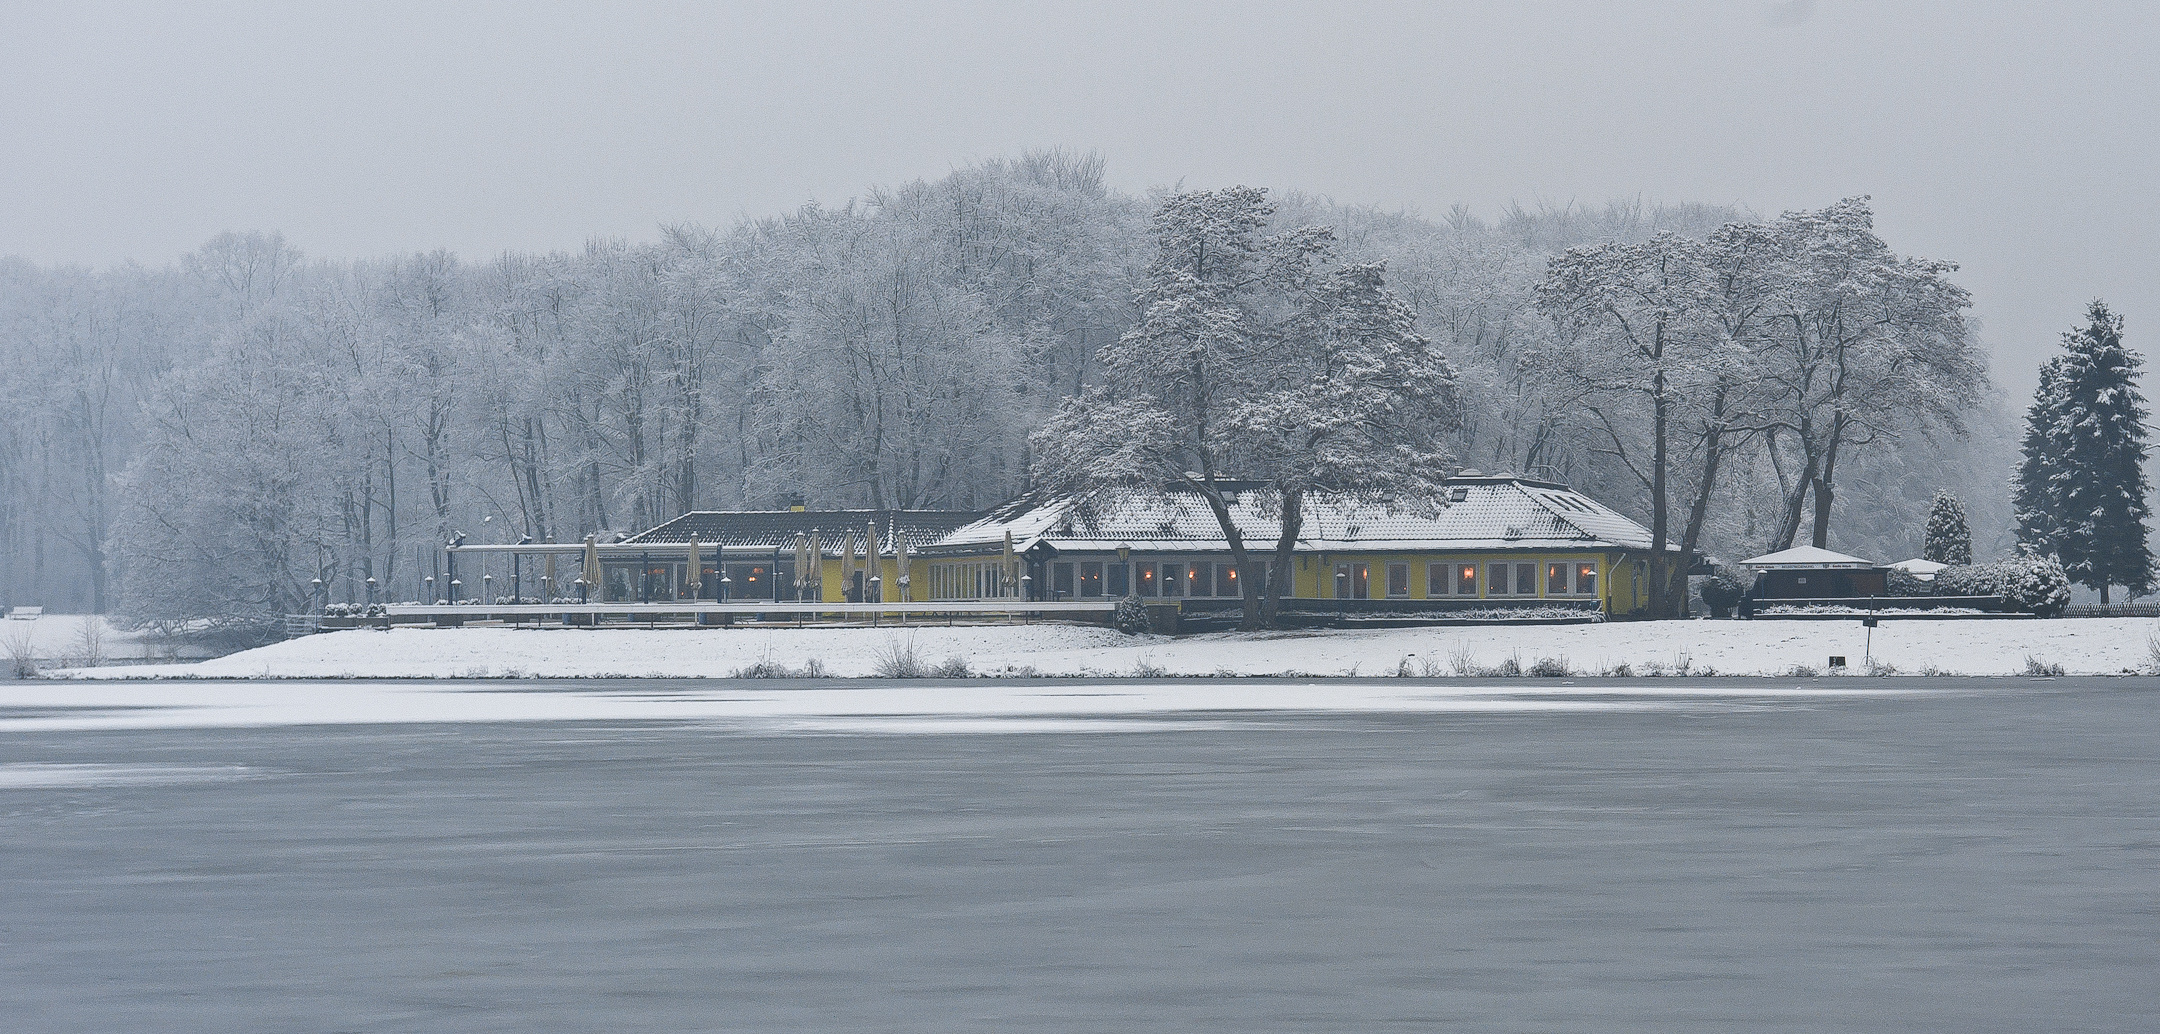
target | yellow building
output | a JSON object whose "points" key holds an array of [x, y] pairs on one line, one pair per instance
{"points": [[825, 556], [1495, 542]]}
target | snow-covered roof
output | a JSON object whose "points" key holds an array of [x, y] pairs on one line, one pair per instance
{"points": [[770, 529], [1805, 557], [1918, 566], [1501, 512]]}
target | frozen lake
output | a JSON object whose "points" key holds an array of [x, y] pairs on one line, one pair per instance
{"points": [[1959, 856]]}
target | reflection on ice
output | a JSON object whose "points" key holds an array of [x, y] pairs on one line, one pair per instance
{"points": [[46, 777]]}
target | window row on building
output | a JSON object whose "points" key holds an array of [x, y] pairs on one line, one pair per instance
{"points": [[1203, 579]]}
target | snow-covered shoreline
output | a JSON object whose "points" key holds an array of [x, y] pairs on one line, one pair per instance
{"points": [[2106, 646]]}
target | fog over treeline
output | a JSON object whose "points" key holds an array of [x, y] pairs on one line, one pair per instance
{"points": [[209, 437]]}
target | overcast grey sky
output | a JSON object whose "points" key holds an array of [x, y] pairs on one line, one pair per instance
{"points": [[2019, 140]]}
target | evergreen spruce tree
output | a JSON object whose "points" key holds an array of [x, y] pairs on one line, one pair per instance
{"points": [[1949, 539], [2081, 492]]}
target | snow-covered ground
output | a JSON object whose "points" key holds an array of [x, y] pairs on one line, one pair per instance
{"points": [[70, 638], [1987, 647]]}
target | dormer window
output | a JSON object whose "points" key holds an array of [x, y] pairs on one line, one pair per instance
{"points": [[1456, 495]]}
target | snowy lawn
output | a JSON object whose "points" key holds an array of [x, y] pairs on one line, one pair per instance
{"points": [[1989, 647], [69, 638]]}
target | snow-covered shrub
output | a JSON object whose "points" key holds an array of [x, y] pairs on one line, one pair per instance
{"points": [[2029, 583], [1146, 668], [1720, 593], [764, 668], [1904, 583], [2039, 667], [1131, 617], [900, 659], [18, 640], [1966, 580], [2035, 584], [1551, 668], [1462, 660], [955, 667]]}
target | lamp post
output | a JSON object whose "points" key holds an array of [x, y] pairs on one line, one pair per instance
{"points": [[371, 591], [429, 581], [487, 589], [315, 596]]}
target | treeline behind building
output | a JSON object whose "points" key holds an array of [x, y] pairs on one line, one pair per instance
{"points": [[211, 437]]}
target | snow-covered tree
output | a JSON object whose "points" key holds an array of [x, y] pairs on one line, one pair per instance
{"points": [[2081, 490], [1363, 406], [1866, 347], [1949, 539], [1249, 361]]}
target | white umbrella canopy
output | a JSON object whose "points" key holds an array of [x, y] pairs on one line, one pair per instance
{"points": [[1806, 557], [1919, 567]]}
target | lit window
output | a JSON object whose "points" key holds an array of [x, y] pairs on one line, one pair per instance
{"points": [[1556, 579], [1586, 578], [1466, 580]]}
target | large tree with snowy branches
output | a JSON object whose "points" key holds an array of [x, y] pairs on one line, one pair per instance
{"points": [[1254, 360], [2081, 491]]}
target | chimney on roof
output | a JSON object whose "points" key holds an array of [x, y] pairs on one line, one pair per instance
{"points": [[795, 503]]}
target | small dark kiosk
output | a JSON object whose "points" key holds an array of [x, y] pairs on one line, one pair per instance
{"points": [[1811, 575]]}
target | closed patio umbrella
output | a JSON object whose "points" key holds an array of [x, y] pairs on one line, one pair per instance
{"points": [[595, 586]]}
